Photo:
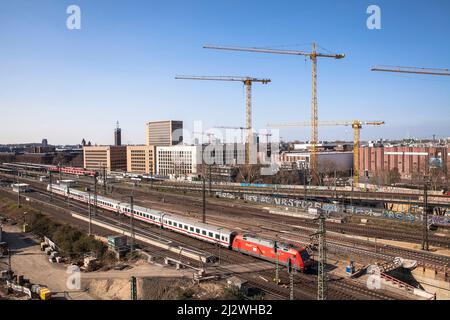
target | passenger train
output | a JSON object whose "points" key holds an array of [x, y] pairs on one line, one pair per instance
{"points": [[244, 243]]}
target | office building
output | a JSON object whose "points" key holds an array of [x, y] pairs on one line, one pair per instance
{"points": [[113, 158], [178, 160], [141, 159], [117, 135], [164, 133]]}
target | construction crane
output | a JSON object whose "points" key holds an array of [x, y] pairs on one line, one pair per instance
{"points": [[248, 96], [355, 124], [236, 128], [415, 70], [313, 55]]}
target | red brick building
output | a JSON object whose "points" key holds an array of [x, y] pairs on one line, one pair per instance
{"points": [[408, 160]]}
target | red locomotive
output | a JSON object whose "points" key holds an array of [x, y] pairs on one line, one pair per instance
{"points": [[272, 250]]}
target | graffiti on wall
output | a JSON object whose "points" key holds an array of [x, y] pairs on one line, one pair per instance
{"points": [[334, 208]]}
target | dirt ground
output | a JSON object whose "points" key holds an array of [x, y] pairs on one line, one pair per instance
{"points": [[154, 281]]}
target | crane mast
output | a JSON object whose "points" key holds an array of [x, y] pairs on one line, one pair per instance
{"points": [[314, 114], [355, 124], [248, 81]]}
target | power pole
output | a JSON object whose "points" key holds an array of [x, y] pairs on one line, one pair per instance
{"points": [[18, 195], [322, 261], [89, 212], [291, 280], [131, 223], [277, 268], [68, 196], [210, 178], [95, 194], [425, 218], [51, 186], [322, 275], [104, 179], [204, 197], [133, 288]]}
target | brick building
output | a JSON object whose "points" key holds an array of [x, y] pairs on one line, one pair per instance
{"points": [[409, 161]]}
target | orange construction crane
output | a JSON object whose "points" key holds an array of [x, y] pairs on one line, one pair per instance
{"points": [[355, 124], [313, 55], [248, 89]]}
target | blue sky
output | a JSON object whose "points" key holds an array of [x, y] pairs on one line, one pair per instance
{"points": [[66, 85]]}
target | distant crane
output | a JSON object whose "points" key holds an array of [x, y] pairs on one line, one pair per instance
{"points": [[355, 124], [314, 116], [248, 88], [415, 70], [236, 128]]}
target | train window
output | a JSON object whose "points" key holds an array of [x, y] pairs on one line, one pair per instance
{"points": [[191, 229], [186, 227], [223, 238], [175, 224], [170, 222], [204, 232], [210, 234], [197, 230], [217, 237]]}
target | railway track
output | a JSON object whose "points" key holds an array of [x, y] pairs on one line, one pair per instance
{"points": [[303, 282], [396, 233], [219, 210]]}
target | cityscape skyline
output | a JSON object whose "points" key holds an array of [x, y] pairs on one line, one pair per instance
{"points": [[74, 84]]}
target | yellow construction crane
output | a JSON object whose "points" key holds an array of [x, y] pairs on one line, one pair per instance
{"points": [[248, 89], [355, 124], [415, 70], [313, 55]]}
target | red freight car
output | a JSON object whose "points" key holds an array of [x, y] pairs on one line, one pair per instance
{"points": [[269, 250]]}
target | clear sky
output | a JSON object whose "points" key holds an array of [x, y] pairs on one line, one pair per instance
{"points": [[65, 85]]}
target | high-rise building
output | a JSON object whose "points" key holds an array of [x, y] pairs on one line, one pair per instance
{"points": [[164, 133], [117, 135], [113, 158], [141, 159]]}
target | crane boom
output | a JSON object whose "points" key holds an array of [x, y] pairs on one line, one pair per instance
{"points": [[429, 71], [313, 55], [248, 102], [287, 52], [223, 78]]}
